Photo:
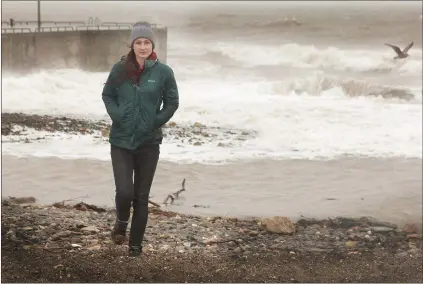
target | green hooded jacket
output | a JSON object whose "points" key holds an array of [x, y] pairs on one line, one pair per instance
{"points": [[135, 109]]}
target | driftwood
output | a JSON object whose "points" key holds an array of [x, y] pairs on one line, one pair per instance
{"points": [[221, 241], [61, 204], [175, 195], [83, 206], [154, 203]]}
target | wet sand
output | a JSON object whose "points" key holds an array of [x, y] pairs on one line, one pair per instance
{"points": [[388, 189]]}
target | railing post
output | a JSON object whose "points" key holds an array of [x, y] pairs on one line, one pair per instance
{"points": [[39, 14]]}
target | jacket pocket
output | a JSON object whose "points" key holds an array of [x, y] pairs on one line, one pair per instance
{"points": [[118, 117]]}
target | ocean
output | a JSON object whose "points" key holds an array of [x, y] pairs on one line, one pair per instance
{"points": [[337, 121]]}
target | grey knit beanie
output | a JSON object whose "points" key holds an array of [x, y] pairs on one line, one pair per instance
{"points": [[142, 29]]}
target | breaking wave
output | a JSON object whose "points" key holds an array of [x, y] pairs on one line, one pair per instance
{"points": [[320, 82], [315, 57]]}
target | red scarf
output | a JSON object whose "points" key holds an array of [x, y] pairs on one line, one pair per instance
{"points": [[153, 56]]}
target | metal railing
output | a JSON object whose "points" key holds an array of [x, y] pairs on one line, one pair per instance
{"points": [[69, 23], [92, 24], [27, 23], [124, 24], [115, 24], [14, 30], [98, 28], [54, 29]]}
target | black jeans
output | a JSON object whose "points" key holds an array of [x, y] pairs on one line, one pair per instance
{"points": [[141, 165]]}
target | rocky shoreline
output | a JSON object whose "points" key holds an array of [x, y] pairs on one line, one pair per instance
{"points": [[19, 127], [71, 243]]}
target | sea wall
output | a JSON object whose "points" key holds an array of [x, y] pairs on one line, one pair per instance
{"points": [[91, 50]]}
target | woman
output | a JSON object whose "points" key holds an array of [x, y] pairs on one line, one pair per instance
{"points": [[135, 89]]}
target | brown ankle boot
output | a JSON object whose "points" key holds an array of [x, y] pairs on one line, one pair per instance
{"points": [[119, 232]]}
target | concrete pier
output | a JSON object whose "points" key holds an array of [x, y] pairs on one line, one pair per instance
{"points": [[90, 50]]}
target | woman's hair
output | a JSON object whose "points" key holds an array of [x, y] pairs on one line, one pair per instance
{"points": [[130, 67]]}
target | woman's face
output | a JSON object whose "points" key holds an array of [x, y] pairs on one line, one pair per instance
{"points": [[143, 47]]}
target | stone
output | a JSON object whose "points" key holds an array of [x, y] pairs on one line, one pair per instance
{"points": [[60, 235], [314, 226], [96, 247], [244, 230], [410, 229], [52, 245], [105, 132], [90, 229], [164, 247], [370, 221], [83, 207], [76, 240], [413, 236], [402, 254], [278, 225], [197, 124], [345, 223], [380, 229], [238, 250], [275, 246], [245, 247], [316, 250], [211, 240], [415, 251], [351, 244], [22, 200], [12, 219], [171, 124], [353, 237]]}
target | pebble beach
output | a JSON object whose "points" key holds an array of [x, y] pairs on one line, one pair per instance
{"points": [[70, 242]]}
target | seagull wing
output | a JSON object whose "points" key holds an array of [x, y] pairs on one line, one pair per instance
{"points": [[395, 48], [407, 48]]}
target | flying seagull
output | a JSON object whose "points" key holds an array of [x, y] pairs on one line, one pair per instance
{"points": [[401, 54]]}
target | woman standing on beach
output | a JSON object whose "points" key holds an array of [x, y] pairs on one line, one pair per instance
{"points": [[135, 89]]}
